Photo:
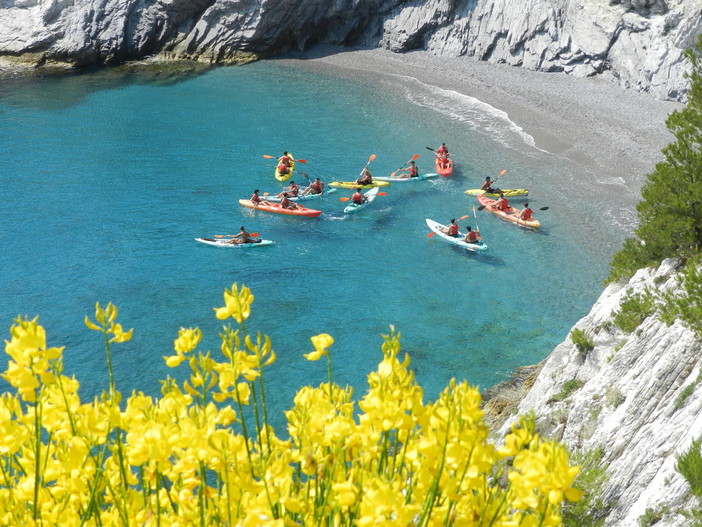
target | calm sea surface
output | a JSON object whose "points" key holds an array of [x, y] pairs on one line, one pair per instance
{"points": [[107, 177]]}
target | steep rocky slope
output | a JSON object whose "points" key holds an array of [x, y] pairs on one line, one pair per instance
{"points": [[638, 43], [628, 403]]}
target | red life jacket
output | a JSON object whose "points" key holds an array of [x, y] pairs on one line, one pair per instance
{"points": [[255, 198], [527, 214], [472, 237], [357, 198], [452, 230]]}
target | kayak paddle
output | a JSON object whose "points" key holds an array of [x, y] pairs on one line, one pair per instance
{"points": [[378, 194], [430, 149], [371, 158]]}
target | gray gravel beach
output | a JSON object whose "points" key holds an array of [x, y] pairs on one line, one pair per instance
{"points": [[591, 123]]}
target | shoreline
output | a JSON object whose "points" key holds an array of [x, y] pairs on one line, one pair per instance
{"points": [[590, 123]]}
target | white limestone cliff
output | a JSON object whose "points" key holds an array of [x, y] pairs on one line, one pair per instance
{"points": [[637, 43], [628, 404]]}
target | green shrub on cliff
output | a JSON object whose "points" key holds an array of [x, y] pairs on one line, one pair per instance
{"points": [[670, 213]]}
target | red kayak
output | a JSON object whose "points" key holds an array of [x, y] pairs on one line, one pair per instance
{"points": [[278, 209], [444, 165]]}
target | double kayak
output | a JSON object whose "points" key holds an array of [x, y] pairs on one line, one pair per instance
{"points": [[300, 197], [353, 184], [509, 193], [395, 179], [510, 214], [444, 165], [370, 197], [284, 177], [226, 243], [299, 210], [456, 240]]}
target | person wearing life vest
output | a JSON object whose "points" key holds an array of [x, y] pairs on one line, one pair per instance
{"points": [[471, 236], [285, 203], [256, 199], [501, 203], [293, 190], [284, 163], [442, 150], [452, 228], [316, 187], [412, 171], [526, 213], [358, 198], [487, 186]]}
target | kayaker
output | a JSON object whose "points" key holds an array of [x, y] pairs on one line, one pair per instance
{"points": [[366, 177], [242, 237], [487, 186], [316, 187], [442, 150], [358, 198], [412, 171], [452, 228], [471, 236], [526, 213], [292, 190], [501, 203], [285, 203], [284, 163], [256, 199]]}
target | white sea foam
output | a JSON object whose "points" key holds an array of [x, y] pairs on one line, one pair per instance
{"points": [[462, 108]]}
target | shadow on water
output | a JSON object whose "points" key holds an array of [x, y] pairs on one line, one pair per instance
{"points": [[71, 88]]}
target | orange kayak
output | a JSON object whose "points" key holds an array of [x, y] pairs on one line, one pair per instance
{"points": [[510, 214], [278, 209], [444, 165]]}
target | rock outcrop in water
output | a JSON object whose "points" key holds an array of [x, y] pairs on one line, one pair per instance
{"points": [[639, 43], [627, 401]]}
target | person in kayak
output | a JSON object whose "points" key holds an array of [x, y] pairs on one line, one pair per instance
{"points": [[366, 177], [451, 229], [526, 213], [442, 150], [284, 163], [471, 236], [243, 237], [316, 187], [285, 203], [256, 199], [487, 186], [412, 171], [358, 198], [501, 203], [293, 190]]}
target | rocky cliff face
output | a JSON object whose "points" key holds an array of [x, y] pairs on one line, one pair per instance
{"points": [[628, 403], [639, 43]]}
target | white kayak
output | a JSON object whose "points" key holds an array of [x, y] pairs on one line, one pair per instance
{"points": [[300, 197], [370, 197], [456, 240], [396, 179], [224, 242]]}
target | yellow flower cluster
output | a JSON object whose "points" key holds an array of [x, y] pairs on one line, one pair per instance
{"points": [[203, 453]]}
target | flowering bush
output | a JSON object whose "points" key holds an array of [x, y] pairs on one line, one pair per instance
{"points": [[204, 454]]}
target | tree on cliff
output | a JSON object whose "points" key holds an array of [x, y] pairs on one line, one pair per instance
{"points": [[670, 213]]}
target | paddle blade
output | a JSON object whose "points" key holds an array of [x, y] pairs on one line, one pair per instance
{"points": [[464, 217], [431, 233], [501, 173], [371, 158], [392, 174], [415, 157], [303, 161], [344, 199], [268, 157], [254, 234], [481, 207], [382, 194], [430, 149], [544, 208]]}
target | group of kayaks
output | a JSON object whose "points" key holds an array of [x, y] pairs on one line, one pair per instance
{"points": [[443, 165]]}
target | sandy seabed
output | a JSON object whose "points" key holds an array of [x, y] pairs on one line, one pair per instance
{"points": [[592, 122]]}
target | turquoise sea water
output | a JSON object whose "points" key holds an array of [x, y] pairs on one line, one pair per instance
{"points": [[107, 178]]}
